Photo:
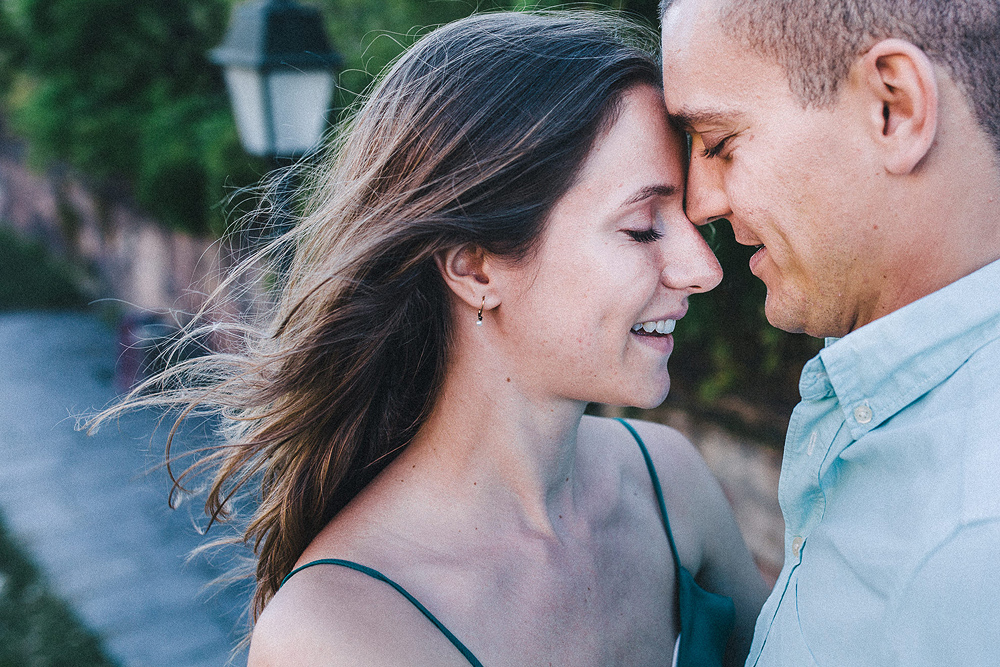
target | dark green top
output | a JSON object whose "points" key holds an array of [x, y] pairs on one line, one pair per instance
{"points": [[706, 619]]}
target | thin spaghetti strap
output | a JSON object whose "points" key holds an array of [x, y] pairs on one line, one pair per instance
{"points": [[375, 574], [706, 619], [659, 491]]}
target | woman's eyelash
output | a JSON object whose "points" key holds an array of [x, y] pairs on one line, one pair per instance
{"points": [[645, 235], [716, 150]]}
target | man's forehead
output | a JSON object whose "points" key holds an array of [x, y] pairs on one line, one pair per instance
{"points": [[678, 22], [708, 77], [692, 37], [700, 84], [683, 17]]}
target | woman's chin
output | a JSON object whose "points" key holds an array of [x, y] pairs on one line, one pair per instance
{"points": [[648, 400], [657, 395], [651, 404]]}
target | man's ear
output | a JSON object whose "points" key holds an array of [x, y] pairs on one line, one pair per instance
{"points": [[901, 84], [467, 271]]}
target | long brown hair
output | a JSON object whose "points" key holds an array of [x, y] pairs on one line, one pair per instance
{"points": [[470, 138]]}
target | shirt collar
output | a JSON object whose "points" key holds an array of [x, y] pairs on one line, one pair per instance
{"points": [[879, 369]]}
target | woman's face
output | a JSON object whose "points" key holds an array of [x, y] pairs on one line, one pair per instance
{"points": [[589, 316]]}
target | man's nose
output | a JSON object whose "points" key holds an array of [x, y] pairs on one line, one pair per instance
{"points": [[706, 199]]}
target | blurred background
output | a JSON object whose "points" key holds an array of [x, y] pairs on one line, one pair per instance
{"points": [[122, 176]]}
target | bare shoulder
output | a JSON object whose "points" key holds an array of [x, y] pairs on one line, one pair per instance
{"points": [[318, 618], [330, 615], [702, 523], [695, 503], [694, 500], [672, 453]]}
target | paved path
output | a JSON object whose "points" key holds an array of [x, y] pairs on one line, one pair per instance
{"points": [[98, 526]]}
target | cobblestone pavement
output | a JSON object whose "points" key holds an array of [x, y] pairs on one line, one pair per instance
{"points": [[89, 513]]}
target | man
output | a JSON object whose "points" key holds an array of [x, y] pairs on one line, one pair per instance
{"points": [[857, 144]]}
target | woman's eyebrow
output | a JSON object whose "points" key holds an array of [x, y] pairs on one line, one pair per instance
{"points": [[651, 191]]}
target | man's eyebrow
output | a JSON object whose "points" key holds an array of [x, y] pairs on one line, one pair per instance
{"points": [[651, 191], [688, 118]]}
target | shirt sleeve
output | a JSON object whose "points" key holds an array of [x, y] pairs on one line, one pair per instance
{"points": [[949, 611]]}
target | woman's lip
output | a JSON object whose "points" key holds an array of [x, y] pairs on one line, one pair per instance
{"points": [[676, 317], [663, 343], [757, 258]]}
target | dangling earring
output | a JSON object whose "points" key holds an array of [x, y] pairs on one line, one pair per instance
{"points": [[479, 317]]}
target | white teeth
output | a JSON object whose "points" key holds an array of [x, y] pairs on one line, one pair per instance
{"points": [[659, 326]]}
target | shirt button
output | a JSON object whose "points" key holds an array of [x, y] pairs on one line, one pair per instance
{"points": [[863, 414], [797, 545]]}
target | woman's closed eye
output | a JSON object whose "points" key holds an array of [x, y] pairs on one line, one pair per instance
{"points": [[645, 235]]}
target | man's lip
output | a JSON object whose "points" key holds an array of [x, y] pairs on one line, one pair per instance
{"points": [[743, 238], [757, 258]]}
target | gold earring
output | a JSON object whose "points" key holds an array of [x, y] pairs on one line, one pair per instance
{"points": [[479, 317]]}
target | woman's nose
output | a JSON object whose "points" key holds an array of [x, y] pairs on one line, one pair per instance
{"points": [[689, 264]]}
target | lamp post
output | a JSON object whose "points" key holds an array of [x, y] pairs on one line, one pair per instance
{"points": [[279, 69]]}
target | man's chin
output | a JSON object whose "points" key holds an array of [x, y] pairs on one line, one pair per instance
{"points": [[804, 315], [782, 316]]}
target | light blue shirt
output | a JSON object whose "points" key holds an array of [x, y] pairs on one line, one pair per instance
{"points": [[890, 488]]}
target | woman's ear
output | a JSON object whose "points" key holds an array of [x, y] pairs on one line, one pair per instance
{"points": [[900, 83], [467, 271]]}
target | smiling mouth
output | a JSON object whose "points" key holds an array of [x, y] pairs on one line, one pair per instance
{"points": [[654, 328]]}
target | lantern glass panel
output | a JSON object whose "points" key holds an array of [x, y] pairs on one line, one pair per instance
{"points": [[300, 101], [246, 90]]}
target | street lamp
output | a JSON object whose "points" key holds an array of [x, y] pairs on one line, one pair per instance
{"points": [[279, 69]]}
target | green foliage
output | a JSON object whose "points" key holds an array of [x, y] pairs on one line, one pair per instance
{"points": [[37, 628], [122, 90], [30, 278]]}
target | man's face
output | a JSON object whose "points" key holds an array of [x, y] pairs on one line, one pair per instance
{"points": [[800, 183]]}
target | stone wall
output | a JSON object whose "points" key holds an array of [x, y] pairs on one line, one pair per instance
{"points": [[125, 253]]}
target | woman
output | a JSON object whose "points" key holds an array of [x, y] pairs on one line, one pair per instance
{"points": [[500, 240]]}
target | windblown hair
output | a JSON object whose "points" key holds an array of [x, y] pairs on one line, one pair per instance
{"points": [[469, 138], [817, 41]]}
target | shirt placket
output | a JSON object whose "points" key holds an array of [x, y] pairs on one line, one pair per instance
{"points": [[814, 426]]}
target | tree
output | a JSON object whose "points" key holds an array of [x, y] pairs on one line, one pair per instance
{"points": [[122, 92]]}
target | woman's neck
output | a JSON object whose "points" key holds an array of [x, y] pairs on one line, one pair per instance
{"points": [[506, 451]]}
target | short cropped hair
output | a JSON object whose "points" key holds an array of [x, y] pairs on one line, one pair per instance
{"points": [[817, 41]]}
